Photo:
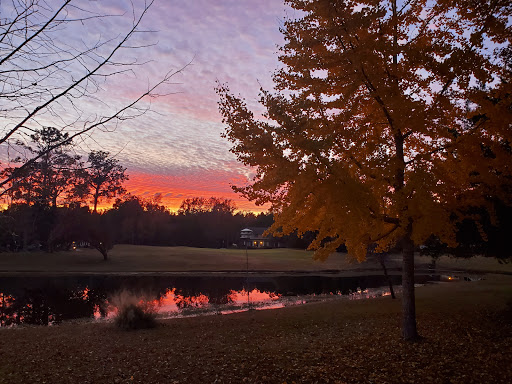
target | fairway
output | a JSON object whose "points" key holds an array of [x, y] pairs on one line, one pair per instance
{"points": [[138, 258]]}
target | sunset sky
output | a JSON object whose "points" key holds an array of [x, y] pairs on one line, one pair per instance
{"points": [[176, 150]]}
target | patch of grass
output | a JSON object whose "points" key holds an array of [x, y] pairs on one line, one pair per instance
{"points": [[140, 258], [476, 263]]}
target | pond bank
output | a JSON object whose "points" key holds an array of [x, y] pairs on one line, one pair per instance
{"points": [[466, 327]]}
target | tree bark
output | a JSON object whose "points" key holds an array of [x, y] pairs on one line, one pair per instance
{"points": [[96, 197], [388, 278], [409, 330], [103, 252]]}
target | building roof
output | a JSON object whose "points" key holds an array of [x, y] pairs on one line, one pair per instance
{"points": [[255, 232]]}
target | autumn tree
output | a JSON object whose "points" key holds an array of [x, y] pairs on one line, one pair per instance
{"points": [[57, 60], [371, 135], [103, 177]]}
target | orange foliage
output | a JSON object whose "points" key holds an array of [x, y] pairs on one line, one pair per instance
{"points": [[388, 120]]}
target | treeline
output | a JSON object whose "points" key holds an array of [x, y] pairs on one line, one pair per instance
{"points": [[199, 222], [212, 223]]}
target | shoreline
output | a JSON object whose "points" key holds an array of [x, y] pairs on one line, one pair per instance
{"points": [[251, 273], [232, 273]]}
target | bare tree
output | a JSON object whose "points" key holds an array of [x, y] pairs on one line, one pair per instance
{"points": [[56, 63]]}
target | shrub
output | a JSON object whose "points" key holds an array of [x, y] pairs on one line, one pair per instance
{"points": [[133, 312], [135, 317]]}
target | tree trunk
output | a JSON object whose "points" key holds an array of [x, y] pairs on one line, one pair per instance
{"points": [[104, 252], [409, 331], [95, 201], [388, 278], [432, 265], [25, 238]]}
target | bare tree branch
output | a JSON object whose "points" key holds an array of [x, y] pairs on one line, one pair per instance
{"points": [[48, 75]]}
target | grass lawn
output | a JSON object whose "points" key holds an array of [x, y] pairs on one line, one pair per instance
{"points": [[466, 326], [477, 263], [138, 258]]}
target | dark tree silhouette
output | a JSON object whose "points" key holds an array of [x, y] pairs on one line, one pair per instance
{"points": [[207, 222], [202, 205], [50, 176], [128, 215], [104, 177], [78, 224]]}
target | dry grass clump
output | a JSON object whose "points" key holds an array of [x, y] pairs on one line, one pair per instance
{"points": [[133, 311]]}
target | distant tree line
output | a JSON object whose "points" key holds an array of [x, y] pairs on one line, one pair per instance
{"points": [[199, 222]]}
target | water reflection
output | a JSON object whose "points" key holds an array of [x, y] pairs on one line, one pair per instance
{"points": [[172, 304], [47, 301]]}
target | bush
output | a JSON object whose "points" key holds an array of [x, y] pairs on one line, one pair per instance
{"points": [[135, 317], [133, 312]]}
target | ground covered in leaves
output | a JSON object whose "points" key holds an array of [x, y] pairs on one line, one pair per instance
{"points": [[466, 329]]}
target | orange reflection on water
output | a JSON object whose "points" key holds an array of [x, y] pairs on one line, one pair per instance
{"points": [[84, 295], [240, 297], [7, 315], [172, 302], [6, 300], [191, 301], [97, 312], [167, 302]]}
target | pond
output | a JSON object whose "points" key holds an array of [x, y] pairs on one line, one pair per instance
{"points": [[51, 300]]}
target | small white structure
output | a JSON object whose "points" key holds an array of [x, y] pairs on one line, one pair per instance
{"points": [[253, 238]]}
